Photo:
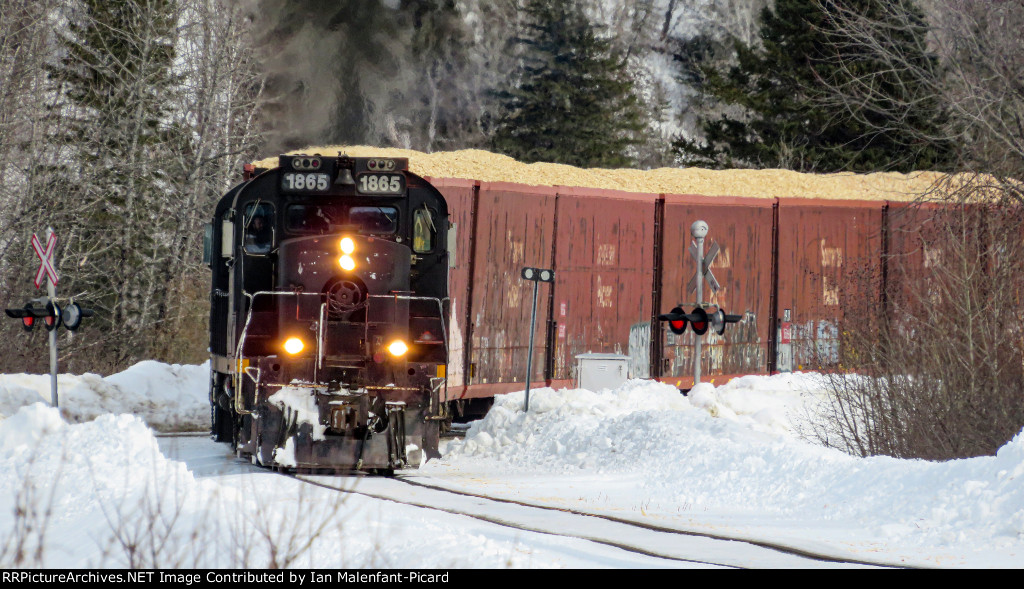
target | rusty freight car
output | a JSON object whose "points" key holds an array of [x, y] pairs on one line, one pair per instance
{"points": [[617, 241]]}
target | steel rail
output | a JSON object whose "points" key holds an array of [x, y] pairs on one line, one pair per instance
{"points": [[771, 546], [508, 524], [657, 528]]}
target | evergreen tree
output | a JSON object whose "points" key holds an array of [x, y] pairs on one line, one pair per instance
{"points": [[572, 100], [777, 105]]}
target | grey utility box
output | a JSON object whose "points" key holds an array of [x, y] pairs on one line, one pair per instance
{"points": [[601, 371]]}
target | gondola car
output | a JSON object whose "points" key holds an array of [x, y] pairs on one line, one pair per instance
{"points": [[329, 295]]}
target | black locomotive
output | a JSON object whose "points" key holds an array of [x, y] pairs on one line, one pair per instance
{"points": [[328, 335]]}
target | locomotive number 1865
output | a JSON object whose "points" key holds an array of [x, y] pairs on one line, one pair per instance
{"points": [[312, 182], [381, 184]]}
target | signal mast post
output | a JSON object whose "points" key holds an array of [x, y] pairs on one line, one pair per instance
{"points": [[529, 353], [535, 275], [47, 269], [699, 231], [51, 291]]}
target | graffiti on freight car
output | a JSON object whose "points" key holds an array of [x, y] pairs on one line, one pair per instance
{"points": [[513, 294], [560, 356], [715, 352], [829, 292], [640, 350], [515, 249], [741, 350], [606, 254], [604, 294], [456, 371], [815, 343], [827, 342], [831, 256], [723, 260]]}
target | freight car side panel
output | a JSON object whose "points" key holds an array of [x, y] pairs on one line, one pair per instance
{"points": [[603, 272], [742, 227], [829, 257], [914, 233], [514, 228], [459, 194]]}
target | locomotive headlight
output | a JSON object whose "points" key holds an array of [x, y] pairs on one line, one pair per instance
{"points": [[293, 345], [347, 263], [347, 245], [398, 348]]}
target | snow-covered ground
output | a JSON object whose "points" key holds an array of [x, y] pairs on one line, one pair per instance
{"points": [[167, 397], [727, 460]]}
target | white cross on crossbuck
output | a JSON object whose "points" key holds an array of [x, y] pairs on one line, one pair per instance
{"points": [[46, 259]]}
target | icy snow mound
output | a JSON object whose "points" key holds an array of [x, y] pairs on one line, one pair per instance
{"points": [[765, 404], [616, 430], [698, 454], [167, 397], [37, 443], [92, 477], [780, 403]]}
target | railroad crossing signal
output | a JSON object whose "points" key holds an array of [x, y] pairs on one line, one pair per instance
{"points": [[47, 308], [51, 313], [699, 319]]}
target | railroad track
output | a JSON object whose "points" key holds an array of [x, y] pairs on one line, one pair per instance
{"points": [[697, 548], [673, 545]]}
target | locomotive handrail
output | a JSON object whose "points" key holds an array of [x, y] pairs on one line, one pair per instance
{"points": [[319, 341], [440, 308], [237, 377], [440, 314]]}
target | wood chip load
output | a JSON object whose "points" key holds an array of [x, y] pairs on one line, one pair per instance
{"points": [[475, 164]]}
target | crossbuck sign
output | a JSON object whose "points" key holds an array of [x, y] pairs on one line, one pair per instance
{"points": [[45, 259], [703, 265]]}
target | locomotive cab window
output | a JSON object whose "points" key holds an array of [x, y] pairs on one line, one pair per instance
{"points": [[258, 228], [423, 231], [330, 218]]}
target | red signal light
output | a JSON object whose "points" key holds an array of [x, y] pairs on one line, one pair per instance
{"points": [[676, 321], [700, 322], [699, 319], [52, 318], [28, 322]]}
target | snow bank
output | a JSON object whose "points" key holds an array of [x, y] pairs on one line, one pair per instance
{"points": [[167, 397], [101, 494], [730, 454], [93, 484]]}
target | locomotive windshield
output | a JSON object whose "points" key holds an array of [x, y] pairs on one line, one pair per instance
{"points": [[258, 222], [330, 218]]}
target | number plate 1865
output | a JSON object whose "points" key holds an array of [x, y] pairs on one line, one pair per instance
{"points": [[295, 181], [381, 184]]}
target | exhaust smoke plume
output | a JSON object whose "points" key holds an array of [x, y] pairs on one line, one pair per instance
{"points": [[400, 73]]}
